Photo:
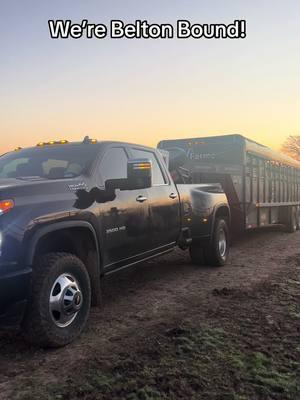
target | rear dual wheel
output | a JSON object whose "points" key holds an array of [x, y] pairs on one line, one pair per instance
{"points": [[217, 251]]}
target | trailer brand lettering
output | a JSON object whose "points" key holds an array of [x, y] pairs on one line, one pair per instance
{"points": [[201, 156]]}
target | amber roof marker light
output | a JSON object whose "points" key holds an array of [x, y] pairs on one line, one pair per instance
{"points": [[87, 140], [5, 206], [52, 142]]}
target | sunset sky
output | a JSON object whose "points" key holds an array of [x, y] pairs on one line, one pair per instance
{"points": [[146, 90]]}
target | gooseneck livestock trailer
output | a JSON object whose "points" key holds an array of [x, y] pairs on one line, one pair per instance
{"points": [[262, 186]]}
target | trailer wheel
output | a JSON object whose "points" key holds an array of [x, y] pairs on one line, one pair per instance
{"points": [[292, 225], [217, 252], [60, 303]]}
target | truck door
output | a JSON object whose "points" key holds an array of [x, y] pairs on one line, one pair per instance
{"points": [[164, 202], [124, 221]]}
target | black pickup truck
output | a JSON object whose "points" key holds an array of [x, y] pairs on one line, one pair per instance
{"points": [[71, 213]]}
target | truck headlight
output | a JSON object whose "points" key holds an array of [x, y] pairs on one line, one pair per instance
{"points": [[6, 205]]}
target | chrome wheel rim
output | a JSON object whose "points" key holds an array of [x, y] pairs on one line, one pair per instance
{"points": [[65, 300], [222, 243]]}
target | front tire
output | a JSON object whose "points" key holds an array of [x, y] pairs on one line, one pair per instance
{"points": [[60, 302], [217, 252]]}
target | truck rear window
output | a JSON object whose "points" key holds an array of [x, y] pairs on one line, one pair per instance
{"points": [[49, 162]]}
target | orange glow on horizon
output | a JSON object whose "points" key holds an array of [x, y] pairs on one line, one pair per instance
{"points": [[145, 137]]}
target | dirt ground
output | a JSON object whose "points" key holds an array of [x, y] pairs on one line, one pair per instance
{"points": [[170, 330]]}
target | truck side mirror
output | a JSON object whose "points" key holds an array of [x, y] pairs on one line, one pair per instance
{"points": [[139, 173]]}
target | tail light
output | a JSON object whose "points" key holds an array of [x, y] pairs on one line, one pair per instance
{"points": [[6, 205]]}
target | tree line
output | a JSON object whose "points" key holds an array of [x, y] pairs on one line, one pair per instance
{"points": [[291, 147]]}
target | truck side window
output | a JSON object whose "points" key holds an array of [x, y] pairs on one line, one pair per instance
{"points": [[10, 169], [114, 164], [157, 175]]}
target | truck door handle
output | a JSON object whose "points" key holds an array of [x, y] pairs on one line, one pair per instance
{"points": [[141, 199], [173, 196]]}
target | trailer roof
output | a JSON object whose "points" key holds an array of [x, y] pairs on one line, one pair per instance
{"points": [[250, 146], [266, 152]]}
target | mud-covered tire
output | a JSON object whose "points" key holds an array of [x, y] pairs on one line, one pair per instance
{"points": [[292, 220], [217, 252], [51, 275]]}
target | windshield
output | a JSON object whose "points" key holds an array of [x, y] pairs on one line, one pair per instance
{"points": [[48, 162]]}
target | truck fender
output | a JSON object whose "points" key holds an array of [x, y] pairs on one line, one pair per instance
{"points": [[57, 226], [94, 271], [216, 208]]}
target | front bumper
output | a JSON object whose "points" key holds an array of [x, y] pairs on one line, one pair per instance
{"points": [[15, 285]]}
